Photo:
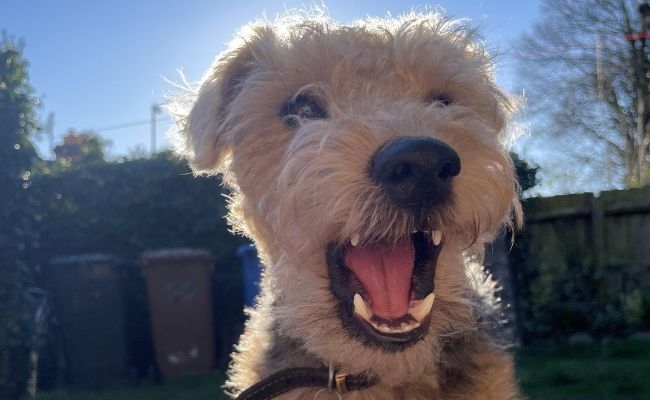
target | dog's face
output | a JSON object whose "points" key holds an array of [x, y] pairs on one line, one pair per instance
{"points": [[367, 162]]}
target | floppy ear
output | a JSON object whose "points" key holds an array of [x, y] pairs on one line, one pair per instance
{"points": [[202, 133]]}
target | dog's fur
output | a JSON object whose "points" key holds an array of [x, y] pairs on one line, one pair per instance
{"points": [[300, 183]]}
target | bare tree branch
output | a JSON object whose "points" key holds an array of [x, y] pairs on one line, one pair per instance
{"points": [[585, 67]]}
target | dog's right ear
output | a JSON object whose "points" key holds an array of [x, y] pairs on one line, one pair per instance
{"points": [[202, 135]]}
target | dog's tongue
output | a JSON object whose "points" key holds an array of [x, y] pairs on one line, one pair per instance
{"points": [[385, 271]]}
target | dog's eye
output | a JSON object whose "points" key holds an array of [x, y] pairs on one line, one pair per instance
{"points": [[440, 99], [302, 108]]}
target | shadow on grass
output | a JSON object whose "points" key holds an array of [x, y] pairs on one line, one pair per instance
{"points": [[617, 370], [188, 388]]}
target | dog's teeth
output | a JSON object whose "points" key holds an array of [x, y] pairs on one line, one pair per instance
{"points": [[409, 326], [437, 237], [355, 239], [420, 311], [361, 308], [405, 327]]}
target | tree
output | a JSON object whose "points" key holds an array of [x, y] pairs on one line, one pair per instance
{"points": [[18, 121], [526, 173], [585, 68], [18, 116], [81, 149]]}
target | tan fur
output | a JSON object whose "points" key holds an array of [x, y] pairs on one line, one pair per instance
{"points": [[295, 191]]}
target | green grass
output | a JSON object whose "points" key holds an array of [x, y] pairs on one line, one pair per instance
{"points": [[619, 370], [188, 388]]}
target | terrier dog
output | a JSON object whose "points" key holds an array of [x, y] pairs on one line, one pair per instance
{"points": [[368, 163]]}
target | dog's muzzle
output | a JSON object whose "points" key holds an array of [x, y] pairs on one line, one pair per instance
{"points": [[385, 287]]}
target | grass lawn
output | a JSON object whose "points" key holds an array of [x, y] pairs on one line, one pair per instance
{"points": [[189, 388], [618, 370]]}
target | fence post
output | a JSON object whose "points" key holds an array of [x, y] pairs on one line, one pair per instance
{"points": [[598, 233], [598, 245]]}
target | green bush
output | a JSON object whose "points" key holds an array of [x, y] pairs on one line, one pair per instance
{"points": [[560, 293], [121, 208], [124, 208]]}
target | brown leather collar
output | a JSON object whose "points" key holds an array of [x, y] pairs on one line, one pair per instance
{"points": [[293, 378]]}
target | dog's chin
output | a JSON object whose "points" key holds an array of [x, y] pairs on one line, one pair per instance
{"points": [[385, 291]]}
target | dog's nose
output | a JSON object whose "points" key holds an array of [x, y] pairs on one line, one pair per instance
{"points": [[415, 172]]}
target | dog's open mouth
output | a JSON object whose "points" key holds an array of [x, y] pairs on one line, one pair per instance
{"points": [[386, 290]]}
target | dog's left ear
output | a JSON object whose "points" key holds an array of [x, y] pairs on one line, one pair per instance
{"points": [[203, 136]]}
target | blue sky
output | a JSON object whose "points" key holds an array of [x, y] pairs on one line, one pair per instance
{"points": [[99, 65]]}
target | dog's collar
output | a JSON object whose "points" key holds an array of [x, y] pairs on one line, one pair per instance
{"points": [[293, 378]]}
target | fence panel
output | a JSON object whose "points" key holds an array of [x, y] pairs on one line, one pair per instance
{"points": [[583, 264]]}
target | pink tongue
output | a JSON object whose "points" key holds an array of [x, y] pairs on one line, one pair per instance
{"points": [[385, 273]]}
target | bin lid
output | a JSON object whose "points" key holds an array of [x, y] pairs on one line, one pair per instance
{"points": [[175, 254], [81, 259]]}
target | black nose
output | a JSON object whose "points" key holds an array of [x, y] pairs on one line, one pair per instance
{"points": [[415, 172]]}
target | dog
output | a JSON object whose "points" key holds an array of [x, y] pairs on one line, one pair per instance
{"points": [[369, 165]]}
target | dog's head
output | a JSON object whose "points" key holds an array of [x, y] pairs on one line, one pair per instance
{"points": [[367, 163]]}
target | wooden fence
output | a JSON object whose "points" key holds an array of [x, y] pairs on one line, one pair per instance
{"points": [[580, 251], [609, 232]]}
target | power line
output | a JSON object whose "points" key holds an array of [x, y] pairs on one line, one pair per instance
{"points": [[127, 125]]}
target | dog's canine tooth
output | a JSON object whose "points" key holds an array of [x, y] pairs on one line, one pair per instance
{"points": [[437, 237], [422, 309], [355, 239], [361, 308]]}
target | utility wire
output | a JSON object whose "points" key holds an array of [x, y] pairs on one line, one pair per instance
{"points": [[127, 125]]}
